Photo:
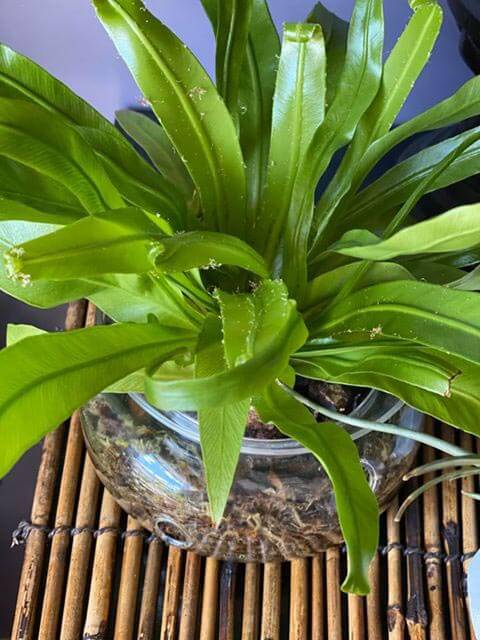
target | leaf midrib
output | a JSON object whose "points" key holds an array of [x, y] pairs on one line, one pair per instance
{"points": [[403, 308], [76, 251], [258, 165], [194, 118], [26, 389], [427, 248], [294, 155], [345, 484]]}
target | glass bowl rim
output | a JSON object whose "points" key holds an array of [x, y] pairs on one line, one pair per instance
{"points": [[186, 424]]}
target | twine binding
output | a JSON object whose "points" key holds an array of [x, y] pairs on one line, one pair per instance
{"points": [[24, 528]]}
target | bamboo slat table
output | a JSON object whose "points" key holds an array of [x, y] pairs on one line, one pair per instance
{"points": [[90, 571]]}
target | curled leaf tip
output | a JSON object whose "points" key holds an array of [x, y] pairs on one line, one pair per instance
{"points": [[355, 586], [301, 32], [212, 264], [14, 264]]}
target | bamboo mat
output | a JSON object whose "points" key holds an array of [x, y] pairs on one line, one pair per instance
{"points": [[91, 572]]}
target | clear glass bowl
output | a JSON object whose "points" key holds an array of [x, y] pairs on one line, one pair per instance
{"points": [[281, 505]]}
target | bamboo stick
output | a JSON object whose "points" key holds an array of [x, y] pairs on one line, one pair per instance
{"points": [[48, 473], [57, 567], [188, 618], [172, 594], [127, 593], [317, 597], [210, 597], [151, 585], [271, 607], [80, 555], [82, 543], [35, 549], [469, 518], [251, 595], [374, 612], [356, 619], [433, 548], [228, 579], [395, 618], [96, 624], [451, 534], [416, 614], [299, 599], [334, 602]]}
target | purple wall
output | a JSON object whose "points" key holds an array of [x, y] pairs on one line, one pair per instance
{"points": [[66, 38]]}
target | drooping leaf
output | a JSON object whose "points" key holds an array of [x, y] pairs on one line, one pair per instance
{"points": [[395, 186], [56, 373], [135, 179], [32, 136], [233, 26], [154, 141], [431, 315], [298, 110], [47, 197], [222, 428], [356, 504], [335, 33], [188, 106], [401, 70], [186, 251], [455, 230], [358, 86], [439, 385], [279, 332]]}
